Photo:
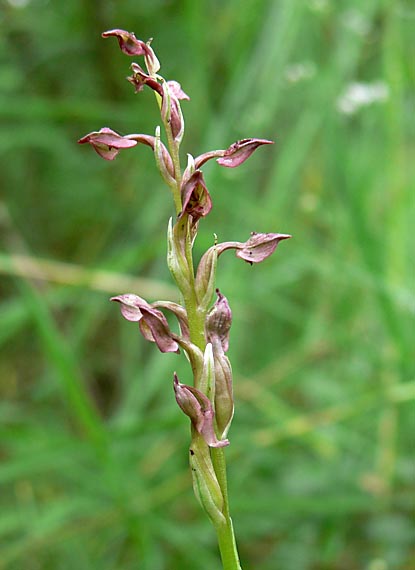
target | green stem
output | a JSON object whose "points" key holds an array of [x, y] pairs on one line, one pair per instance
{"points": [[219, 464], [225, 532], [175, 155], [196, 320], [227, 546]]}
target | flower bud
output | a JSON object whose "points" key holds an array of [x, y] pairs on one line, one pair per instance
{"points": [[107, 143], [218, 322], [171, 111], [224, 405], [205, 277], [162, 156], [217, 325], [176, 255], [207, 380], [198, 408], [190, 168]]}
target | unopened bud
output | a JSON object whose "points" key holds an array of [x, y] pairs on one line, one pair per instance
{"points": [[162, 157], [218, 322], [190, 168], [207, 379], [224, 406], [171, 112], [176, 256], [205, 277]]}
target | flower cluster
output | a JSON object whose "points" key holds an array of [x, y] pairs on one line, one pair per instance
{"points": [[203, 327]]}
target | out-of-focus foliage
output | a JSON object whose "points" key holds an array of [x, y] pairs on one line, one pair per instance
{"points": [[93, 468]]}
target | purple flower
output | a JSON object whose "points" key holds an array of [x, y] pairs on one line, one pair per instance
{"points": [[107, 143], [199, 408], [196, 199], [259, 247], [233, 156], [255, 250], [130, 45], [153, 324], [240, 151], [139, 78], [170, 93]]}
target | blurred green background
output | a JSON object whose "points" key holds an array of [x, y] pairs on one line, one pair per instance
{"points": [[93, 449]]}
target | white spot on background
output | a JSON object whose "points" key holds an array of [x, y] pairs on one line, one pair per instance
{"points": [[358, 95]]}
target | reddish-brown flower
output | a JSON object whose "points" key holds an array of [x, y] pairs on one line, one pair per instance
{"points": [[153, 324], [107, 142], [233, 156], [259, 247], [256, 249], [139, 78], [196, 199], [240, 151], [130, 45]]}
